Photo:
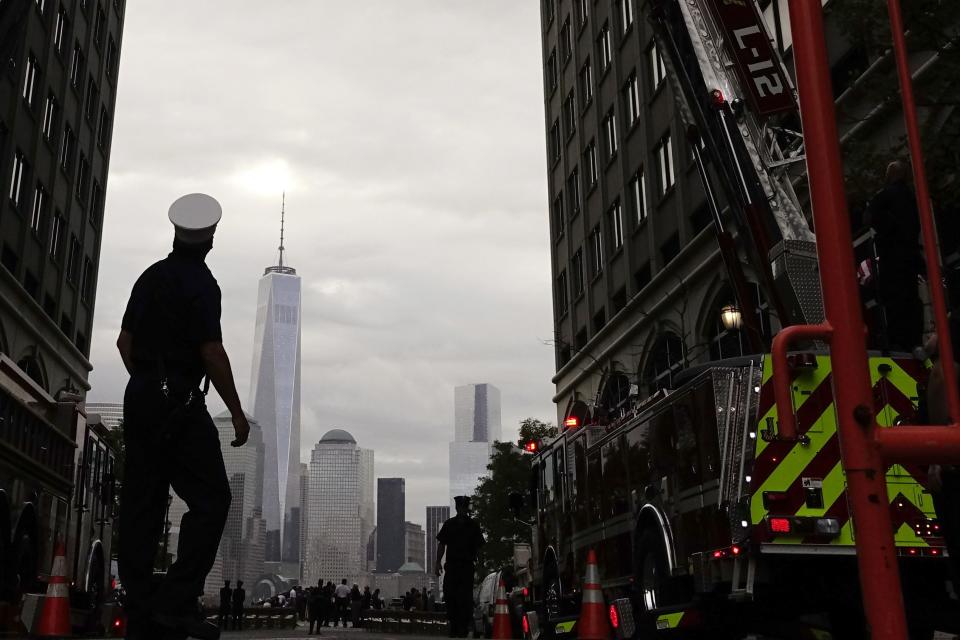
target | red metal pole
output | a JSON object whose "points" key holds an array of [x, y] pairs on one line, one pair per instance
{"points": [[866, 484], [931, 248]]}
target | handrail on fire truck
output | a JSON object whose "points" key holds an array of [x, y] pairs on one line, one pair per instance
{"points": [[866, 448]]}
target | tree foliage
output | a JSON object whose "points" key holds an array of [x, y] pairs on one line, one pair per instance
{"points": [[508, 472]]}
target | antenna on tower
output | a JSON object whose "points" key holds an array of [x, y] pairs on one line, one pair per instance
{"points": [[283, 209]]}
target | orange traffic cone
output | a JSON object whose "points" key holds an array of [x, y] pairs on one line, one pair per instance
{"points": [[502, 629], [592, 624], [55, 615]]}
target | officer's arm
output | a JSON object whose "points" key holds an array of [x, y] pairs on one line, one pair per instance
{"points": [[217, 365], [125, 346], [441, 549]]}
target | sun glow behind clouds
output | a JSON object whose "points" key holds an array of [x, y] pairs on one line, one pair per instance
{"points": [[267, 178]]}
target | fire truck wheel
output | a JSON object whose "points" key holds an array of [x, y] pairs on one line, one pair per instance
{"points": [[656, 587]]}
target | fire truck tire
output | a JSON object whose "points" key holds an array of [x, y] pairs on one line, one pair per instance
{"points": [[656, 587]]}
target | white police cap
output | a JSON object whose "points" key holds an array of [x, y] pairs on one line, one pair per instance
{"points": [[195, 217]]}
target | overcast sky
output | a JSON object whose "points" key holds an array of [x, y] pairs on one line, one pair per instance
{"points": [[408, 135]]}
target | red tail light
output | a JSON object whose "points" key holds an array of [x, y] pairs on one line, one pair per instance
{"points": [[571, 423], [735, 550], [117, 623], [614, 617], [526, 592], [526, 624], [780, 525]]}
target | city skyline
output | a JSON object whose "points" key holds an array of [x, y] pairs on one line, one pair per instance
{"points": [[389, 327]]}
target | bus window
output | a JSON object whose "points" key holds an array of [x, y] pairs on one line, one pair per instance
{"points": [[638, 458], [705, 420], [578, 484], [614, 493], [688, 457], [595, 483]]}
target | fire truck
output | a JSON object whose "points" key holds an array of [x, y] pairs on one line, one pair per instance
{"points": [[57, 479], [703, 511]]}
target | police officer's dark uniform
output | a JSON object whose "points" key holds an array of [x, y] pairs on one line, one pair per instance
{"points": [[170, 439], [239, 597], [461, 538], [226, 595]]}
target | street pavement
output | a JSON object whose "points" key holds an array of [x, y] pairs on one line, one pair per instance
{"points": [[328, 633]]}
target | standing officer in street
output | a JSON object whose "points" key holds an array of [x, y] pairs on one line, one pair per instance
{"points": [[239, 598], [460, 538], [226, 594], [170, 341]]}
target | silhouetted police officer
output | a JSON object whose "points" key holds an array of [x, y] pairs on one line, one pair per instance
{"points": [[460, 538], [223, 617], [170, 340], [239, 597]]}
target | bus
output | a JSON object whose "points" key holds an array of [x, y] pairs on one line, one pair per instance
{"points": [[701, 514], [57, 485]]}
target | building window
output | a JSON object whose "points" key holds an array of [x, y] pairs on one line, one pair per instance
{"points": [[552, 71], [112, 58], [665, 360], [96, 203], [590, 160], [59, 28], [83, 174], [49, 116], [555, 141], [583, 12], [16, 178], [98, 26], [66, 148], [570, 114], [73, 262], [657, 71], [93, 98], [605, 46], [626, 14], [616, 225], [638, 196], [631, 98], [559, 218], [664, 155], [103, 128], [576, 268], [39, 206], [586, 83], [566, 40], [76, 66], [573, 191], [596, 251], [610, 133], [30, 79], [548, 11], [56, 235], [562, 302], [86, 281]]}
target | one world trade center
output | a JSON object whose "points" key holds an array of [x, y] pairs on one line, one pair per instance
{"points": [[275, 398]]}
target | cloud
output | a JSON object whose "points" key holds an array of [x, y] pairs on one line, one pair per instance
{"points": [[409, 139]]}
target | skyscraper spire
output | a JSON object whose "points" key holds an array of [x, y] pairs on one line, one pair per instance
{"points": [[283, 210], [280, 267]]}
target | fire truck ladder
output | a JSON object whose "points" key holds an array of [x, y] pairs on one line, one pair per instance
{"points": [[707, 47]]}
